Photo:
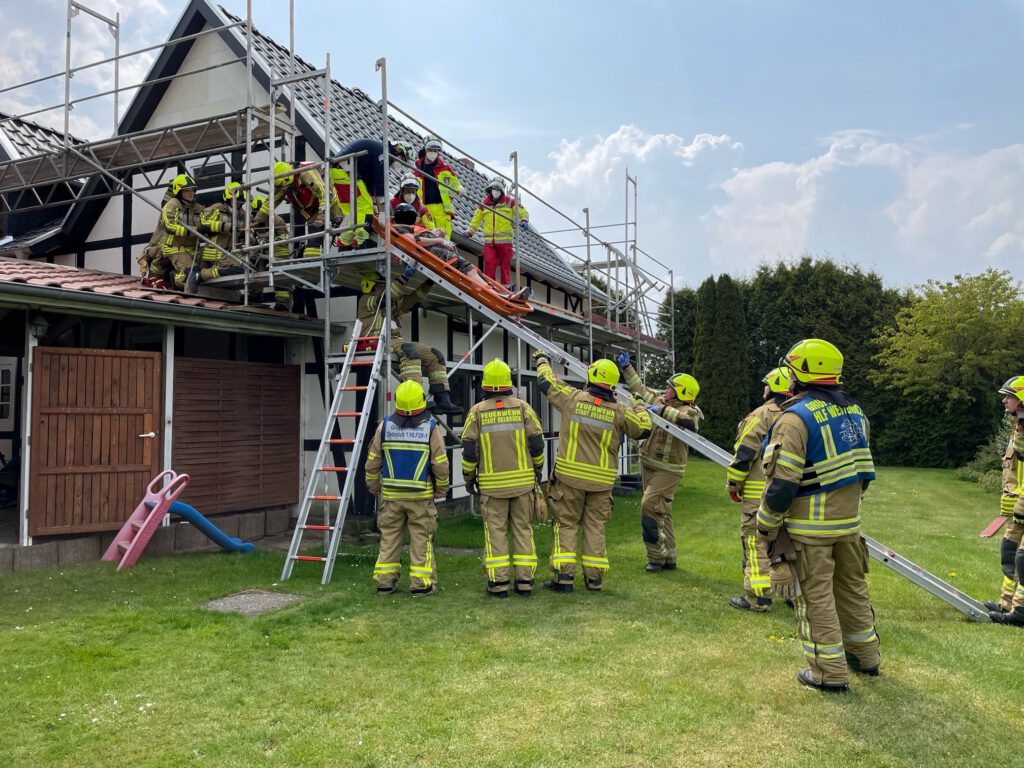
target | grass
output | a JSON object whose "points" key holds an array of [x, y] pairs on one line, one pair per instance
{"points": [[103, 669]]}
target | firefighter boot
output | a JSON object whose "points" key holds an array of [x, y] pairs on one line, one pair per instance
{"points": [[854, 663], [443, 401], [806, 677], [1014, 618], [762, 605]]}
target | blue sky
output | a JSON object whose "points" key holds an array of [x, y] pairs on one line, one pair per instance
{"points": [[883, 134]]}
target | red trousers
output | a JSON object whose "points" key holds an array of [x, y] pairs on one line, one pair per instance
{"points": [[498, 255]]}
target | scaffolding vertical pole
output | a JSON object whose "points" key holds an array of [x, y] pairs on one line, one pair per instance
{"points": [[516, 241], [382, 67], [672, 319], [115, 30], [251, 191], [291, 56], [72, 12], [637, 296], [590, 293]]}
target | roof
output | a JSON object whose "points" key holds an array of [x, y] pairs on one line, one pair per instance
{"points": [[355, 116], [67, 288], [23, 138]]}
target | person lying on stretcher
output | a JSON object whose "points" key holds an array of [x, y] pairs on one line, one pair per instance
{"points": [[435, 242]]}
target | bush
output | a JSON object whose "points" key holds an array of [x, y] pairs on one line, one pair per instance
{"points": [[986, 468]]}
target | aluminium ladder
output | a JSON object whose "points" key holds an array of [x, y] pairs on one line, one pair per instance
{"points": [[322, 468], [967, 605]]}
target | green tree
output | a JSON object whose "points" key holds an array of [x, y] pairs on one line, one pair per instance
{"points": [[683, 318]]}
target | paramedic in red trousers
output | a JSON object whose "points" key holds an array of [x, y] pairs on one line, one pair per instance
{"points": [[407, 466], [816, 464], [496, 213]]}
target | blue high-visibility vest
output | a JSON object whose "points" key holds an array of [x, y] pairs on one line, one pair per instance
{"points": [[406, 454]]}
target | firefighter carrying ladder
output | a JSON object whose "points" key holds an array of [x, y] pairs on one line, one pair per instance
{"points": [[967, 605], [323, 469]]}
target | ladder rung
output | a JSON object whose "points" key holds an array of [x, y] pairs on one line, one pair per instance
{"points": [[361, 362], [334, 469], [349, 413], [341, 441], [327, 498], [137, 525], [310, 558], [318, 527], [354, 389], [367, 338]]}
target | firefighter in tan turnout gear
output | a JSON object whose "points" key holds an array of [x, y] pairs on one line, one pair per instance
{"points": [[179, 221], [580, 491], [745, 485], [1010, 609], [663, 460], [502, 458], [817, 464], [406, 464]]}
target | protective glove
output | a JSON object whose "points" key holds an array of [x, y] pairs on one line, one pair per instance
{"points": [[524, 225], [538, 357], [409, 271], [784, 580], [336, 223], [540, 505], [473, 486], [655, 409], [735, 494], [204, 229], [469, 232], [622, 359]]}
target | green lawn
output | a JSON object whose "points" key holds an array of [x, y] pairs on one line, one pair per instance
{"points": [[105, 669]]}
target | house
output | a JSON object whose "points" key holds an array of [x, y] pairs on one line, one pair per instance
{"points": [[125, 380]]}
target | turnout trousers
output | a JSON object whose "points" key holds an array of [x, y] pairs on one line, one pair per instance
{"points": [[419, 516], [656, 515], [499, 516], [1009, 553], [756, 566], [573, 509], [833, 611]]}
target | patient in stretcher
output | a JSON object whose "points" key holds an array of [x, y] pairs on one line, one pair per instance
{"points": [[435, 242]]}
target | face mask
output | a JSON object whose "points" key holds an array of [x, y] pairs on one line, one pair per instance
{"points": [[431, 156], [495, 194], [409, 197]]}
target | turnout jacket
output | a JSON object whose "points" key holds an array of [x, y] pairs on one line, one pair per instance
{"points": [[591, 431], [745, 475], [407, 459], [174, 217], [370, 307], [816, 463], [218, 218], [306, 193], [1013, 471], [661, 451], [502, 446]]}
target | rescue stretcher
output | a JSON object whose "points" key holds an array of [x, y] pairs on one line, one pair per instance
{"points": [[493, 294]]}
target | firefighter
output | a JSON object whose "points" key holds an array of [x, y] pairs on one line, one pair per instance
{"points": [[662, 460], [151, 256], [408, 194], [431, 169], [496, 212], [816, 464], [502, 460], [370, 165], [342, 182], [745, 485], [303, 188], [261, 232], [580, 491], [415, 358], [407, 466], [219, 221], [179, 221], [1012, 549]]}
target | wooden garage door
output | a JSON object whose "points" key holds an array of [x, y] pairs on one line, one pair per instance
{"points": [[95, 437], [236, 433]]}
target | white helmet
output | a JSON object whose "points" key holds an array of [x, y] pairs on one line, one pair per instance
{"points": [[497, 183], [409, 182]]}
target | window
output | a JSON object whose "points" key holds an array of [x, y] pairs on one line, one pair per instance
{"points": [[6, 397]]}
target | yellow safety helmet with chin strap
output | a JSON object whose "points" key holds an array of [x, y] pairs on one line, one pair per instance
{"points": [[234, 191], [497, 376], [685, 387], [779, 380], [369, 280], [603, 373], [283, 168], [815, 361], [182, 181], [1013, 386], [410, 398]]}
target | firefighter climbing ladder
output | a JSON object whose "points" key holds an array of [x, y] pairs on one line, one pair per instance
{"points": [[318, 490], [967, 605]]}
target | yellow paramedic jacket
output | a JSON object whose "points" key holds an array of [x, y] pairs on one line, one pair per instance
{"points": [[502, 446], [591, 431]]}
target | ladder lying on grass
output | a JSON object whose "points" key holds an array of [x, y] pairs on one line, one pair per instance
{"points": [[916, 574], [324, 468]]}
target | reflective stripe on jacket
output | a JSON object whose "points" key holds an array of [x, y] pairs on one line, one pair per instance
{"points": [[441, 172], [498, 218], [503, 446]]}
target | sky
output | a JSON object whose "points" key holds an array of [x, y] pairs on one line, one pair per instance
{"points": [[885, 135]]}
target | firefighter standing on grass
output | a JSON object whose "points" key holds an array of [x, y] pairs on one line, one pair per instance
{"points": [[1011, 611], [817, 464], [502, 458], [663, 460], [407, 466], [580, 491], [745, 485]]}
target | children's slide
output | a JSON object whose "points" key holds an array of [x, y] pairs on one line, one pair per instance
{"points": [[211, 531]]}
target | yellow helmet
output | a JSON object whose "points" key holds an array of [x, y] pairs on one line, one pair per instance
{"points": [[279, 179], [256, 202], [497, 376], [369, 280], [1013, 386], [604, 373], [233, 191], [778, 380], [410, 398], [182, 181], [814, 361], [685, 387]]}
